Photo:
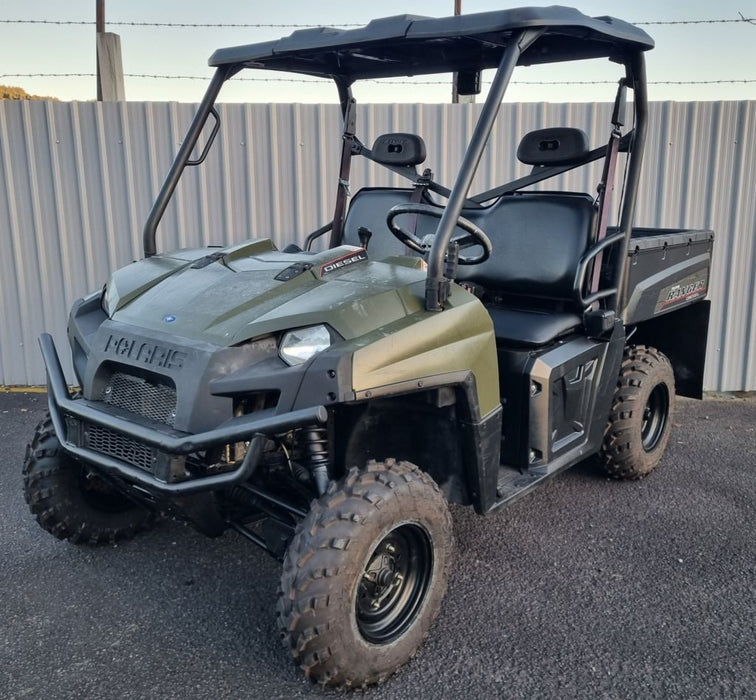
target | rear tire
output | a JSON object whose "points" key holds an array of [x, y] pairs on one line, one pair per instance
{"points": [[641, 418], [71, 501], [365, 574]]}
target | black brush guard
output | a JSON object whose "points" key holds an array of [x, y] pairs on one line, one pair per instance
{"points": [[252, 428]]}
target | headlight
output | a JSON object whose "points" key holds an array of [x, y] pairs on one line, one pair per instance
{"points": [[104, 301], [300, 345], [109, 299]]}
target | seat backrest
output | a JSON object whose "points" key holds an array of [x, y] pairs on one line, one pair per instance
{"points": [[538, 239], [368, 208]]}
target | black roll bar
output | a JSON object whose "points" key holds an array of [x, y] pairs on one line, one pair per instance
{"points": [[545, 172], [436, 285], [183, 159], [636, 77], [349, 111]]}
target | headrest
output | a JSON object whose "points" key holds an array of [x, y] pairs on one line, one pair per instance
{"points": [[560, 145], [399, 149]]}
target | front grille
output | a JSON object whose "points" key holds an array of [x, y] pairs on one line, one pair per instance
{"points": [[141, 396], [119, 446]]}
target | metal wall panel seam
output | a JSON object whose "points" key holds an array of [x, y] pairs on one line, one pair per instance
{"points": [[727, 249], [63, 236], [40, 291], [57, 279], [275, 190], [743, 216], [697, 122], [319, 136], [249, 139], [152, 161], [750, 201], [8, 281], [125, 142], [202, 229], [709, 126], [199, 192], [176, 208], [297, 193], [18, 271], [106, 200], [679, 160], [228, 213], [90, 265], [729, 277], [689, 170], [262, 190]]}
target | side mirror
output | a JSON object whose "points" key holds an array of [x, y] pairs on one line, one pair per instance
{"points": [[468, 82]]}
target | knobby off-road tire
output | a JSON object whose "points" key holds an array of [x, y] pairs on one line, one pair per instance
{"points": [[641, 418], [365, 574], [70, 501]]}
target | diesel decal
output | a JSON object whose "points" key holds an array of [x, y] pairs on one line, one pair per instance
{"points": [[343, 261], [147, 353], [692, 287]]}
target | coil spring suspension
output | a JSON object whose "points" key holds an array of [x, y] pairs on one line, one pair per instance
{"points": [[314, 443]]}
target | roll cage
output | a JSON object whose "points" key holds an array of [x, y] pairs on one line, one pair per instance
{"points": [[408, 46]]}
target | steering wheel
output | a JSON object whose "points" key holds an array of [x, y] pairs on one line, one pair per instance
{"points": [[474, 235]]}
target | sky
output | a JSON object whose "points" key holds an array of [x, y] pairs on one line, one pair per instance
{"points": [[684, 52]]}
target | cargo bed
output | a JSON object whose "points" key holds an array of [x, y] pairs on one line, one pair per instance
{"points": [[667, 270]]}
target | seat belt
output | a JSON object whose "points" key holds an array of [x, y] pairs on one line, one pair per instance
{"points": [[606, 186], [605, 190], [410, 172], [342, 194]]}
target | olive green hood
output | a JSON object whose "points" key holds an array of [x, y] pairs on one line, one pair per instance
{"points": [[226, 296]]}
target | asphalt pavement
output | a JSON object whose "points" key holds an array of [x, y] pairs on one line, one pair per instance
{"points": [[588, 588]]}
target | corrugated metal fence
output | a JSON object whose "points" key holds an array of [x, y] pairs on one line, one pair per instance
{"points": [[77, 181]]}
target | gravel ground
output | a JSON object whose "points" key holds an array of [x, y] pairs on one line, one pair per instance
{"points": [[587, 588]]}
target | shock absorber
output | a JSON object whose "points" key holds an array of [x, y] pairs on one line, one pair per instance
{"points": [[315, 448]]}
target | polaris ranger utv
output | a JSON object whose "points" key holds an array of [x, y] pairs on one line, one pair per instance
{"points": [[444, 347]]}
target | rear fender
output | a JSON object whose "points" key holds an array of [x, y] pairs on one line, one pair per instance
{"points": [[681, 335]]}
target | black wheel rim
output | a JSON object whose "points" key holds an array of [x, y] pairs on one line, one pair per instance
{"points": [[655, 415], [394, 584]]}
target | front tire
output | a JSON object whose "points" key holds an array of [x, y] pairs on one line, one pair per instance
{"points": [[641, 418], [365, 574], [71, 501]]}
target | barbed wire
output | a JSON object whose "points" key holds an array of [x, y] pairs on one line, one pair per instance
{"points": [[285, 25], [324, 81], [178, 25], [740, 20]]}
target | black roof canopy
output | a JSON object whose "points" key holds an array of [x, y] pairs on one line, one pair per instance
{"points": [[407, 45]]}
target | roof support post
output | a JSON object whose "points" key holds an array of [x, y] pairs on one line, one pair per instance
{"points": [[636, 78], [349, 111], [455, 93], [181, 160], [436, 285]]}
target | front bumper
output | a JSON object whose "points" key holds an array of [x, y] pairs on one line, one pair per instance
{"points": [[65, 412]]}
